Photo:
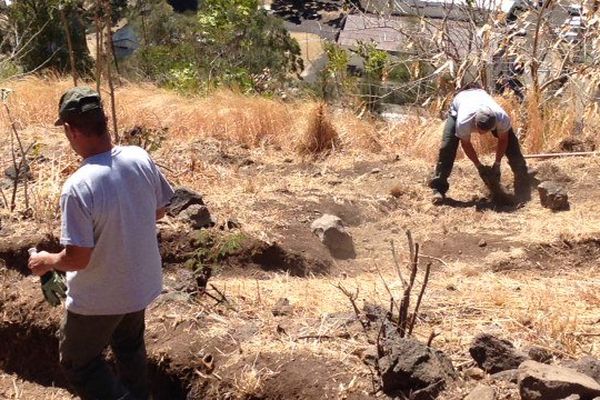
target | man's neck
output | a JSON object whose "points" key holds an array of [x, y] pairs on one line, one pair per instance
{"points": [[101, 146]]}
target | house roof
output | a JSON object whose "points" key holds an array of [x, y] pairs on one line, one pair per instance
{"points": [[383, 32], [395, 33]]}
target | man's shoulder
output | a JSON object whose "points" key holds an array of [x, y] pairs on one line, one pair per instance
{"points": [[77, 182], [133, 152]]}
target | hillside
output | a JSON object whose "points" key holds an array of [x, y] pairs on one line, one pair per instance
{"points": [[525, 274]]}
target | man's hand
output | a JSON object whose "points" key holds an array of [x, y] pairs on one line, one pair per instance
{"points": [[41, 262]]}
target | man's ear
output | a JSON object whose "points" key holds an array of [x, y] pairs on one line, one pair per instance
{"points": [[69, 131]]}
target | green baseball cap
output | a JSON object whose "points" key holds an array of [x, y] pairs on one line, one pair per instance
{"points": [[76, 101]]}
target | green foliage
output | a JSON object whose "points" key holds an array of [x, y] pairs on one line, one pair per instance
{"points": [[229, 43], [40, 28], [212, 247], [8, 69], [336, 82], [375, 61]]}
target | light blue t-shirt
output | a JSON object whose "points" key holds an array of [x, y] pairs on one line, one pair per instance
{"points": [[110, 204], [467, 103]]}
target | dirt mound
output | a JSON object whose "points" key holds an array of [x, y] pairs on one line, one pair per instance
{"points": [[13, 251], [558, 256], [234, 252], [275, 376]]}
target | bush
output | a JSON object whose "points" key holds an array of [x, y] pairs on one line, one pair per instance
{"points": [[230, 43]]}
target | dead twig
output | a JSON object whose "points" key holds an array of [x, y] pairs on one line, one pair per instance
{"points": [[419, 298], [23, 163], [405, 303], [397, 263], [223, 298], [352, 298], [444, 263], [432, 336]]}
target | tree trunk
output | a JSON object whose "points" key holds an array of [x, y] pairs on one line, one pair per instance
{"points": [[107, 14], [65, 22]]}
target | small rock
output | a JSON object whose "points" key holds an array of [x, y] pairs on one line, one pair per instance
{"points": [[282, 307], [409, 367], [334, 182], [540, 354], [331, 232], [451, 288], [198, 216], [476, 374], [510, 375], [482, 392], [539, 381], [573, 397], [553, 196], [375, 170], [367, 355], [182, 199], [24, 172], [231, 224], [587, 365], [495, 355], [374, 312], [482, 243]]}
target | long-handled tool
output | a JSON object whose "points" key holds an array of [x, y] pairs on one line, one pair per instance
{"points": [[53, 285]]}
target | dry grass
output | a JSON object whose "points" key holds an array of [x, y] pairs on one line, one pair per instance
{"points": [[321, 136]]}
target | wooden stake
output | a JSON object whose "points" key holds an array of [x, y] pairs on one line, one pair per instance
{"points": [[98, 48], [107, 12]]}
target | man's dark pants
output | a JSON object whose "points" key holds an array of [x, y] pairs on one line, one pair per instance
{"points": [[447, 155], [83, 339]]}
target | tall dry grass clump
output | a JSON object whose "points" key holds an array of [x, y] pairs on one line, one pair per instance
{"points": [[320, 136]]}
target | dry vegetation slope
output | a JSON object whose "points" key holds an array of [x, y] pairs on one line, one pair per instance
{"points": [[536, 280]]}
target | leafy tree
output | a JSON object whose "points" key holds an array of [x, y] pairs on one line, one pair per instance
{"points": [[38, 23], [226, 43]]}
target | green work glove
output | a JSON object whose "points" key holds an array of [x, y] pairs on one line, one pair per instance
{"points": [[53, 288]]}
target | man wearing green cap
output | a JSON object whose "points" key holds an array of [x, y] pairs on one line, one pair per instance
{"points": [[109, 208], [474, 110]]}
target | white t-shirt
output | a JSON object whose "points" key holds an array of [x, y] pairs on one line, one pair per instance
{"points": [[467, 103], [110, 204]]}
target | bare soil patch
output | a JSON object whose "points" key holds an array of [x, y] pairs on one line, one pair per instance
{"points": [[238, 253]]}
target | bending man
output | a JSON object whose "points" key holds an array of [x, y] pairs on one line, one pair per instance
{"points": [[474, 110]]}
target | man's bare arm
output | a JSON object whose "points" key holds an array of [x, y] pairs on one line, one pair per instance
{"points": [[470, 151], [72, 258]]}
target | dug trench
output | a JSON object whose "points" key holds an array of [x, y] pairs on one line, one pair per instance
{"points": [[28, 333], [189, 359]]}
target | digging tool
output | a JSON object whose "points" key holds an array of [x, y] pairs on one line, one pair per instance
{"points": [[53, 285]]}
